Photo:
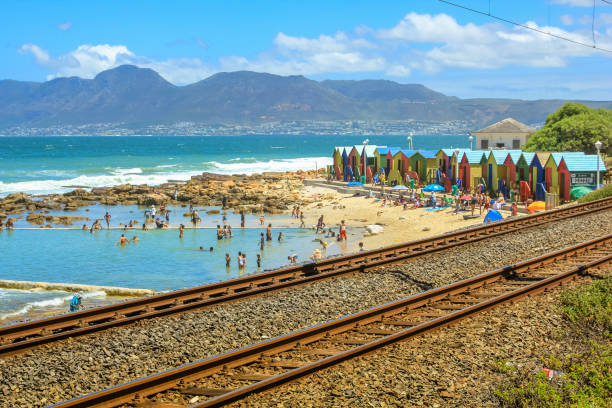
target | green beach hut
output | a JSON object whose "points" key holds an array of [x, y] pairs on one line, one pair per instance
{"points": [[522, 167]]}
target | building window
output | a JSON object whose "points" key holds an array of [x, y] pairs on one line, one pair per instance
{"points": [[516, 143], [484, 144], [500, 145]]}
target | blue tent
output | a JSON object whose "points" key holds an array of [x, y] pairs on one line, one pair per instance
{"points": [[493, 215], [433, 187]]}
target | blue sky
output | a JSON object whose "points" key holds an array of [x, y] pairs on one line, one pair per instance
{"points": [[426, 41]]}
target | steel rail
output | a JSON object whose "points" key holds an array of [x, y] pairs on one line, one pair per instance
{"points": [[506, 284], [23, 336]]}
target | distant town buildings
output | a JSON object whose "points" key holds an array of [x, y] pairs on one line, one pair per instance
{"points": [[505, 134], [339, 127]]}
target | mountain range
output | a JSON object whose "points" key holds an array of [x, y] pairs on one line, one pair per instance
{"points": [[140, 96]]}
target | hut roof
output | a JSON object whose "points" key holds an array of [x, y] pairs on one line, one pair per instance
{"points": [[450, 152], [407, 153], [543, 157], [369, 150], [428, 154], [394, 150], [473, 157], [587, 162], [346, 149], [557, 156], [515, 155], [500, 155], [528, 156], [507, 125]]}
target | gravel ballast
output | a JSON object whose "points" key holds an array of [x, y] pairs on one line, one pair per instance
{"points": [[75, 367]]}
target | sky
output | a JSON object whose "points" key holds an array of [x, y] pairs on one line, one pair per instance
{"points": [[447, 48]]}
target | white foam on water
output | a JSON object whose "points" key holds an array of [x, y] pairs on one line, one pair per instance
{"points": [[136, 175], [48, 303]]}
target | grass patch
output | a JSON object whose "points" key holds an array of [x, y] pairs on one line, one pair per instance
{"points": [[605, 191], [582, 379], [590, 306]]}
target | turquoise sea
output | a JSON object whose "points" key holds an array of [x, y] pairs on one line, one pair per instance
{"points": [[160, 261]]}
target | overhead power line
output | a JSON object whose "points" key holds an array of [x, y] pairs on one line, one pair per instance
{"points": [[527, 27]]}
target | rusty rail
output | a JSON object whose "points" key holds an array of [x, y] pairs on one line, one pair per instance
{"points": [[394, 321], [23, 336]]}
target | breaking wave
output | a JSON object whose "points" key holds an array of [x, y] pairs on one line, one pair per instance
{"points": [[157, 175]]}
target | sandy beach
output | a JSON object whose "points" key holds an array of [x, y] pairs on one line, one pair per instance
{"points": [[399, 225]]}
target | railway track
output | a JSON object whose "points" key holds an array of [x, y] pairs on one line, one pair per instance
{"points": [[19, 337], [231, 376]]}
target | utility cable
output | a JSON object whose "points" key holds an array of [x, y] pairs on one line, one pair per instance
{"points": [[525, 26]]}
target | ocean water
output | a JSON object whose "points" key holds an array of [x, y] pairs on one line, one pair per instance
{"points": [[42, 165]]}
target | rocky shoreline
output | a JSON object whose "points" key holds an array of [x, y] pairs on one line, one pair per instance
{"points": [[258, 193], [74, 367]]}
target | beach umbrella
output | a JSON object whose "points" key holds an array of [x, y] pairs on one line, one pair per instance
{"points": [[578, 192], [355, 183], [465, 197], [492, 215], [433, 187], [399, 187], [537, 206]]}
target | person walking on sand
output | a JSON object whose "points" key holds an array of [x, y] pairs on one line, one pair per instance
{"points": [[343, 231], [269, 233], [107, 217], [75, 303], [123, 240], [514, 209], [181, 229]]}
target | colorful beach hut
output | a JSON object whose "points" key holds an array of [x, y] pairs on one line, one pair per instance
{"points": [[347, 171], [454, 158], [337, 164], [522, 167], [579, 171], [470, 168], [380, 154], [510, 163], [393, 176], [355, 160], [369, 166], [551, 171]]}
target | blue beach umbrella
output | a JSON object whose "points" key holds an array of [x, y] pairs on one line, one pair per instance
{"points": [[433, 187], [354, 183], [399, 187], [493, 215]]}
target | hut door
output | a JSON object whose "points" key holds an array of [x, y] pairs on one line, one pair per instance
{"points": [[490, 174], [521, 174]]}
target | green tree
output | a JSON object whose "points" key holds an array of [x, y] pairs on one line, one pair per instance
{"points": [[573, 127]]}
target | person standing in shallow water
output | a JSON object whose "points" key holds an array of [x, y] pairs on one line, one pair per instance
{"points": [[261, 241], [228, 259], [269, 233], [107, 217], [241, 219], [181, 229]]}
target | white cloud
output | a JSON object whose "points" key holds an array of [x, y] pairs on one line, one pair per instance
{"points": [[65, 26], [574, 3], [567, 20], [418, 42], [605, 18], [86, 61], [487, 46]]}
